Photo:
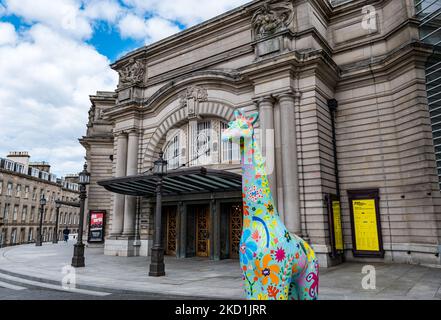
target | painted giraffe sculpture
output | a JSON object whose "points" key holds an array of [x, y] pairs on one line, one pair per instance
{"points": [[275, 263]]}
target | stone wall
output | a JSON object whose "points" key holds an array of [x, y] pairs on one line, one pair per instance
{"points": [[384, 137]]}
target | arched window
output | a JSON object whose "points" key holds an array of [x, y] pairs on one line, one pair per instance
{"points": [[199, 143], [202, 142], [230, 152], [172, 153]]}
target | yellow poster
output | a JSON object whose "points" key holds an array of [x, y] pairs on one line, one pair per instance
{"points": [[338, 234], [365, 223]]}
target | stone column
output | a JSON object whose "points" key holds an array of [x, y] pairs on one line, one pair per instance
{"points": [[191, 141], [278, 152], [132, 169], [266, 116], [291, 194], [118, 204]]}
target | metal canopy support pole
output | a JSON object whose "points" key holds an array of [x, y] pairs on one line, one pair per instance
{"points": [[157, 267], [39, 241], [55, 237], [78, 256]]}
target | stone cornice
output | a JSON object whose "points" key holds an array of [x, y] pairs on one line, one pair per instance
{"points": [[229, 76], [136, 106], [25, 176], [381, 70], [133, 131], [222, 21], [201, 66], [206, 63], [214, 24], [266, 100], [289, 94], [374, 39], [86, 142], [292, 61], [415, 48], [108, 137]]}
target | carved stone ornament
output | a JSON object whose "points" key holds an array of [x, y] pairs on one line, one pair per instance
{"points": [[271, 18], [191, 97], [132, 73], [91, 115], [94, 115]]}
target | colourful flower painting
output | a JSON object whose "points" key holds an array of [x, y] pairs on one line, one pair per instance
{"points": [[276, 264]]}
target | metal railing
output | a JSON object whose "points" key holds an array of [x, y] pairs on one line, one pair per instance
{"points": [[428, 12]]}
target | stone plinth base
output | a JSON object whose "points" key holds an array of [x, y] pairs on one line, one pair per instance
{"points": [[94, 245], [323, 255], [127, 247], [409, 253]]}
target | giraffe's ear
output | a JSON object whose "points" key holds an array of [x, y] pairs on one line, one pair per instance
{"points": [[238, 113], [253, 117]]}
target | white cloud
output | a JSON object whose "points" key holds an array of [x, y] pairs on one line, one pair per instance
{"points": [[46, 81], [150, 30], [47, 70], [188, 12], [158, 28], [61, 15], [8, 36], [106, 10], [132, 26]]}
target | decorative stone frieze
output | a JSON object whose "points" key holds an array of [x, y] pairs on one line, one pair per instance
{"points": [[191, 98], [272, 26], [133, 72], [271, 18], [92, 111]]}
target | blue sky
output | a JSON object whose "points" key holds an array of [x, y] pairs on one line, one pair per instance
{"points": [[54, 54]]}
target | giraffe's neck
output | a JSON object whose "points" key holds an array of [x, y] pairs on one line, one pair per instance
{"points": [[255, 181]]}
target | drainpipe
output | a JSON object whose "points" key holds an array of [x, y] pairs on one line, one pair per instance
{"points": [[333, 105]]}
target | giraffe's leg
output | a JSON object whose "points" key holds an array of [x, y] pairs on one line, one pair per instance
{"points": [[293, 291], [308, 281]]}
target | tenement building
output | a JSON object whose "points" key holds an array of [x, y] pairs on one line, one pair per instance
{"points": [[345, 128], [22, 184]]}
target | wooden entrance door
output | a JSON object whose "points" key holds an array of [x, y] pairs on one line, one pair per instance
{"points": [[236, 223], [171, 231], [202, 231]]}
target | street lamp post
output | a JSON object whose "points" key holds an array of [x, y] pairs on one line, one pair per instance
{"points": [[57, 206], [78, 257], [157, 267], [39, 241]]}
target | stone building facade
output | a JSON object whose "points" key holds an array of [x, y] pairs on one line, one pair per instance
{"points": [[21, 186], [291, 61]]}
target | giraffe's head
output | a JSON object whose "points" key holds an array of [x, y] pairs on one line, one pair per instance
{"points": [[241, 127]]}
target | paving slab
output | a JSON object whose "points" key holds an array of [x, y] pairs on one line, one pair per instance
{"points": [[203, 278]]}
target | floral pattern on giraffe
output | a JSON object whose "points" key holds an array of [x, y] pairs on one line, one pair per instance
{"points": [[276, 265]]}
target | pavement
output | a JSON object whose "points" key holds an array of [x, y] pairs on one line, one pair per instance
{"points": [[27, 267]]}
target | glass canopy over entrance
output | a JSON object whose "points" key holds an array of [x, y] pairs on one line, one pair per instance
{"points": [[178, 182], [201, 210]]}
